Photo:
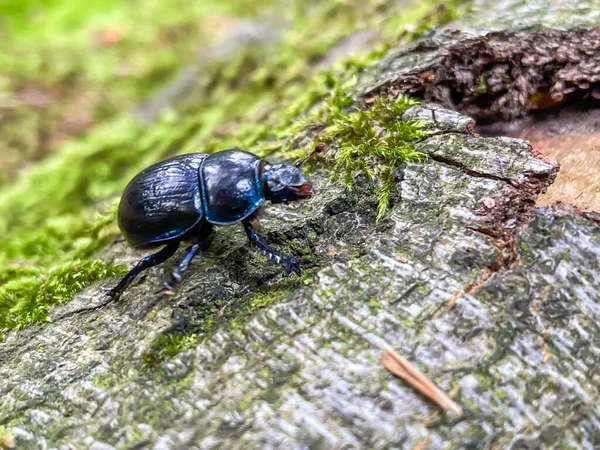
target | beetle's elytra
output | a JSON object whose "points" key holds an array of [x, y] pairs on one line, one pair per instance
{"points": [[181, 198]]}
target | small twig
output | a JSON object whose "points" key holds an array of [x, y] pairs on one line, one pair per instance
{"points": [[402, 368]]}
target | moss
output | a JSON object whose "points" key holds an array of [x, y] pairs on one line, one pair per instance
{"points": [[500, 394], [167, 346], [260, 301], [80, 63], [384, 381], [374, 304], [442, 14], [27, 300], [375, 141], [244, 404]]}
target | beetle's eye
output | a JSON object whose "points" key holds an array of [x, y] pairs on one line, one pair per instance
{"points": [[275, 184]]}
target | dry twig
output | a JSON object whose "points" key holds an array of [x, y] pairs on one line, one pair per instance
{"points": [[402, 368]]}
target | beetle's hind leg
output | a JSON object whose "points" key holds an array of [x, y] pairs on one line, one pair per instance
{"points": [[289, 264], [145, 263]]}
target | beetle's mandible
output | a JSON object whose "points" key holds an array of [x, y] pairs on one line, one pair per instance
{"points": [[182, 198]]}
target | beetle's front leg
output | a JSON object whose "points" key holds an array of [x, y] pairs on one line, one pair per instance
{"points": [[289, 264]]}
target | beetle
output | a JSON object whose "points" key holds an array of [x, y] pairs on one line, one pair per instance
{"points": [[182, 198]]}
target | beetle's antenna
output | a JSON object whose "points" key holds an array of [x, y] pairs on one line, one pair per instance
{"points": [[318, 149]]}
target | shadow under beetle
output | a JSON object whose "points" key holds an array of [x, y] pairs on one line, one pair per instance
{"points": [[181, 198]]}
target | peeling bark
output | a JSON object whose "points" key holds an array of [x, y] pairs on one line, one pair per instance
{"points": [[495, 76]]}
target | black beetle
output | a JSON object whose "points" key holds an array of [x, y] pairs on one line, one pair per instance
{"points": [[181, 198]]}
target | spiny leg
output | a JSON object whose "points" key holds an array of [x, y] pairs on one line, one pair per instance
{"points": [[289, 264], [177, 274], [145, 263]]}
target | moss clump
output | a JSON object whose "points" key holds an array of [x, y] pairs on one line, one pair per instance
{"points": [[374, 304], [261, 300], [26, 300], [167, 346], [375, 141], [48, 265]]}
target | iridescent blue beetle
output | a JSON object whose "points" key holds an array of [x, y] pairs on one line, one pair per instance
{"points": [[180, 199]]}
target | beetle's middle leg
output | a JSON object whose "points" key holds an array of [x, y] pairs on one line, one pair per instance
{"points": [[288, 263], [177, 274], [201, 237]]}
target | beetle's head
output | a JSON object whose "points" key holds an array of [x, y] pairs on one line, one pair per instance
{"points": [[284, 183]]}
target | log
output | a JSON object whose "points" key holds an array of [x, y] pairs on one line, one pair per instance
{"points": [[493, 299]]}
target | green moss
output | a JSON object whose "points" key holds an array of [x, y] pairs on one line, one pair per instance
{"points": [[374, 304], [167, 346], [244, 404], [384, 381], [263, 300], [26, 300], [442, 14], [82, 63], [500, 394], [375, 141]]}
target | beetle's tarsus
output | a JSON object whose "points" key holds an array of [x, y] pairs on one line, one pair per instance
{"points": [[260, 243], [167, 290], [294, 267]]}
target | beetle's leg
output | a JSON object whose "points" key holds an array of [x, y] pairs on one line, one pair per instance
{"points": [[201, 236], [289, 264], [145, 263], [177, 274]]}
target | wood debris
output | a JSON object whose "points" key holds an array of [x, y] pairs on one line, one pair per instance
{"points": [[402, 368]]}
